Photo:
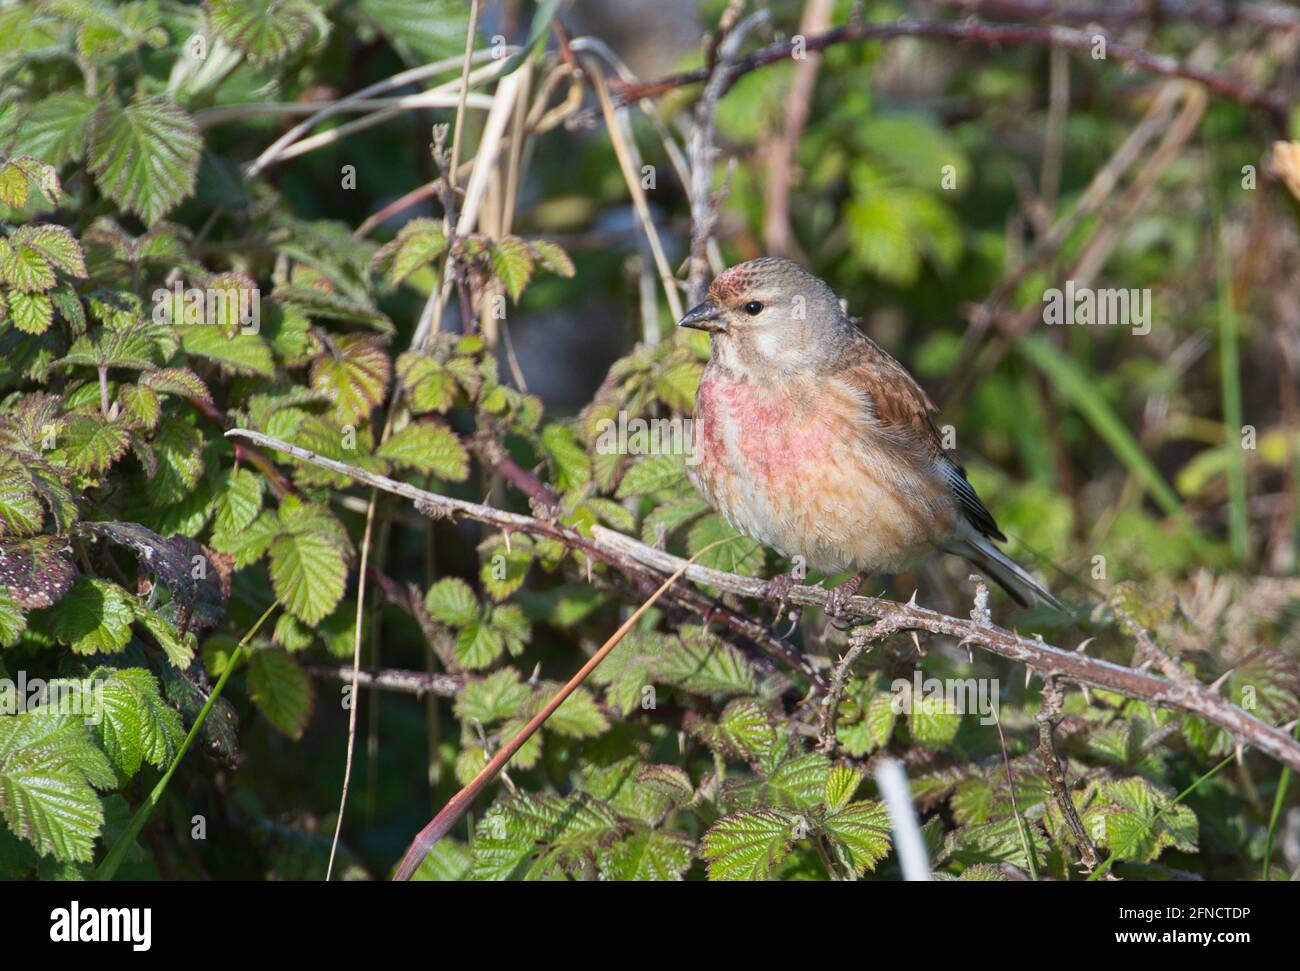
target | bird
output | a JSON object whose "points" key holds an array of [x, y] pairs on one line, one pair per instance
{"points": [[817, 443]]}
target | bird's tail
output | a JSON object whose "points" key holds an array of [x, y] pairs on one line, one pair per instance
{"points": [[1023, 588]]}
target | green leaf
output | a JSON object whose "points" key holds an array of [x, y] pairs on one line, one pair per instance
{"points": [[94, 616], [703, 664], [505, 565], [479, 644], [56, 244], [24, 267], [137, 725], [178, 447], [309, 572], [451, 601], [417, 244], [512, 264], [572, 466], [863, 829], [354, 376], [55, 128], [422, 30], [145, 155], [32, 313], [240, 354], [739, 554], [428, 446], [647, 855], [90, 444], [747, 845], [22, 172], [578, 717], [48, 766], [553, 258], [841, 783], [651, 474], [499, 695], [267, 32], [281, 690], [239, 499], [12, 620]]}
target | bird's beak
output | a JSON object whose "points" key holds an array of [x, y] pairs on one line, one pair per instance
{"points": [[706, 316]]}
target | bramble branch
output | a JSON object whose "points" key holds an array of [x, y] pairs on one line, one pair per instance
{"points": [[637, 560]]}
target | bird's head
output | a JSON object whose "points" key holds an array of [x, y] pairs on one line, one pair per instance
{"points": [[770, 313]]}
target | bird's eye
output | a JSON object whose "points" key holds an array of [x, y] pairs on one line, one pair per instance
{"points": [[753, 308]]}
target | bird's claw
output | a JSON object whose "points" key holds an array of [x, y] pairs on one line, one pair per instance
{"points": [[778, 588], [839, 598]]}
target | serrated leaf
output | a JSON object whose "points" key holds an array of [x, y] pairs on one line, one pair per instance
{"points": [[572, 466], [354, 377], [647, 855], [56, 244], [49, 769], [25, 267], [702, 664], [478, 644], [578, 717], [22, 173], [31, 313], [240, 354], [841, 783], [505, 565], [267, 32], [94, 617], [451, 601], [428, 446], [239, 499], [499, 695], [137, 725], [512, 264], [281, 690], [417, 244], [553, 257], [12, 620], [652, 474], [145, 155], [739, 554], [54, 129], [863, 829], [90, 444], [309, 572], [747, 845], [178, 448]]}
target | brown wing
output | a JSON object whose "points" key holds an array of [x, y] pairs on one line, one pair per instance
{"points": [[904, 411]]}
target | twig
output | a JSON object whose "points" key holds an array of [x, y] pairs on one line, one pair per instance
{"points": [[632, 557], [418, 683], [721, 75], [1051, 708], [1271, 103], [858, 642], [784, 150], [1153, 12]]}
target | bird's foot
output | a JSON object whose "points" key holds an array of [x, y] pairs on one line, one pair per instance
{"points": [[778, 588], [837, 601]]}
